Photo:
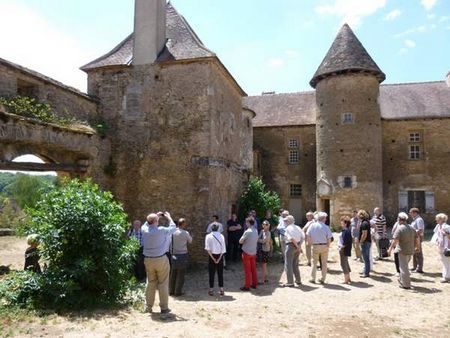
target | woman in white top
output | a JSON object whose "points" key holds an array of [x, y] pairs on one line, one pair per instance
{"points": [[215, 246], [441, 238]]}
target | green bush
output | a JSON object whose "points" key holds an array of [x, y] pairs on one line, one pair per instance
{"points": [[20, 288], [81, 230], [257, 197]]}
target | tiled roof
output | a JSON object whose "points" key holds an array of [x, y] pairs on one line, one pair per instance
{"points": [[182, 44], [415, 100], [44, 78], [283, 109], [346, 55], [397, 102]]}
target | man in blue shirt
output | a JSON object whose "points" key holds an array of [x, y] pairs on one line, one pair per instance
{"points": [[156, 240]]}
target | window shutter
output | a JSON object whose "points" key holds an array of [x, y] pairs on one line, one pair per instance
{"points": [[429, 202], [403, 201]]}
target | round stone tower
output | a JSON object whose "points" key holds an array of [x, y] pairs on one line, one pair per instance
{"points": [[348, 128]]}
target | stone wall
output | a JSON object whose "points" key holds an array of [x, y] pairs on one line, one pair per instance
{"points": [[429, 174], [54, 144], [66, 102], [272, 146], [353, 149], [176, 131]]}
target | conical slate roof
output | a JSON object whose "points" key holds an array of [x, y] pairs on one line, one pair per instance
{"points": [[346, 55]]}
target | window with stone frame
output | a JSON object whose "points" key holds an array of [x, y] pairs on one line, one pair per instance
{"points": [[415, 145], [348, 182], [347, 118], [423, 200], [415, 137], [414, 152], [296, 190], [294, 157], [293, 143]]}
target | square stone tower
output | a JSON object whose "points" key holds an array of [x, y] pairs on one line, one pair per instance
{"points": [[181, 140]]}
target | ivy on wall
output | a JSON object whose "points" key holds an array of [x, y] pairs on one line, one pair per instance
{"points": [[31, 108]]}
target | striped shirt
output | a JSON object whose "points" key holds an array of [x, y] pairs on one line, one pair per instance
{"points": [[380, 224]]}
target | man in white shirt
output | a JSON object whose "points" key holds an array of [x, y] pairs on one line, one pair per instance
{"points": [[319, 236], [294, 237], [281, 229], [215, 246]]}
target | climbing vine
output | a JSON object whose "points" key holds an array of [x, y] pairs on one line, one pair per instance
{"points": [[30, 107]]}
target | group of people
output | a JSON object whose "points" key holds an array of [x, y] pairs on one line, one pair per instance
{"points": [[164, 249]]}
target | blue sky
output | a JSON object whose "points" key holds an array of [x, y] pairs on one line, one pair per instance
{"points": [[267, 45]]}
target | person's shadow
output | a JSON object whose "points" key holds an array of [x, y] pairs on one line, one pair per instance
{"points": [[167, 317]]}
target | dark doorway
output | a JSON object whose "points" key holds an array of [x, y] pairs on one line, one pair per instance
{"points": [[326, 208]]}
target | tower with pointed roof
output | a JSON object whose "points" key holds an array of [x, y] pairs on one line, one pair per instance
{"points": [[348, 128], [180, 139]]}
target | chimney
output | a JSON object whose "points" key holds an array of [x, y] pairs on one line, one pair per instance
{"points": [[447, 79], [149, 30]]}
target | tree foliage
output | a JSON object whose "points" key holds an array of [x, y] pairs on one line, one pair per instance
{"points": [[27, 190], [81, 230], [257, 197]]}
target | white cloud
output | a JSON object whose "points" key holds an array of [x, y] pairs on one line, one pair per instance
{"points": [[431, 16], [444, 18], [419, 29], [351, 11], [33, 42], [276, 63], [410, 43], [392, 15], [403, 51], [291, 53], [428, 4]]}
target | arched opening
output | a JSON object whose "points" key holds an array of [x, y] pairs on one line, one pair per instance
{"points": [[32, 159], [20, 189]]}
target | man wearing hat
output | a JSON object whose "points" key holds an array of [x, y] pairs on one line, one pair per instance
{"points": [[319, 236], [405, 240]]}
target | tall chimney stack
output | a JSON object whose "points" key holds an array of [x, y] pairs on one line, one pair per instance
{"points": [[447, 79], [149, 30]]}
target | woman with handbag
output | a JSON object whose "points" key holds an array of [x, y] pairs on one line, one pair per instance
{"points": [[441, 238], [179, 257], [215, 246]]}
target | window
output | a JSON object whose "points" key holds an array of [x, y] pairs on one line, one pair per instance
{"points": [[296, 190], [414, 137], [414, 152], [415, 146], [293, 156], [293, 143], [347, 118], [423, 200], [26, 89], [348, 182]]}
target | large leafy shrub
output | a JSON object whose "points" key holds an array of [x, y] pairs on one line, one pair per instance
{"points": [[81, 230], [257, 197]]}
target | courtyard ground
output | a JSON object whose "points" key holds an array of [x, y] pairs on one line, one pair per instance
{"points": [[373, 307]]}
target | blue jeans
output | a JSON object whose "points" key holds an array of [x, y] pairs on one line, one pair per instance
{"points": [[365, 251]]}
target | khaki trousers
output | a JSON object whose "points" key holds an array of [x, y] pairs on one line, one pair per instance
{"points": [[405, 277], [322, 251], [158, 271], [308, 252]]}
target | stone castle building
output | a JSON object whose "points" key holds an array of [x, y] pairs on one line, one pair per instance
{"points": [[353, 143], [182, 135]]}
